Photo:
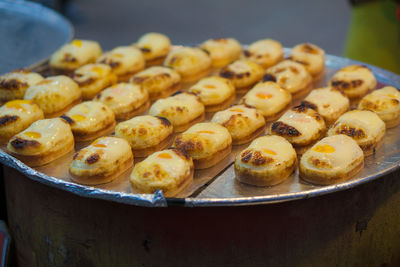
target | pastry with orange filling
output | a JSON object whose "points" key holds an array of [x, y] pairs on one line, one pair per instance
{"points": [[92, 78], [269, 160], [332, 160], [311, 56], [268, 98], [243, 123], [192, 63], [355, 81], [42, 142], [124, 61], [169, 170], [74, 55], [146, 134], [329, 102], [364, 126], [222, 51], [243, 73], [16, 116], [301, 126], [155, 47], [386, 103], [215, 92], [265, 52], [102, 161], [182, 110], [291, 76], [90, 120], [54, 95], [14, 84], [207, 143], [159, 81], [126, 100]]}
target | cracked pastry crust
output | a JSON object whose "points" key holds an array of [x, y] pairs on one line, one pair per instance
{"points": [[16, 116], [155, 47], [223, 51], [42, 142], [54, 95], [146, 134], [159, 81], [207, 143], [269, 160], [102, 161], [333, 159], [14, 84], [74, 55], [169, 170], [364, 126], [265, 52], [311, 56]]}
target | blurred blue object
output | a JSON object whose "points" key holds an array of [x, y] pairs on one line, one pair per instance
{"points": [[4, 244], [29, 33]]}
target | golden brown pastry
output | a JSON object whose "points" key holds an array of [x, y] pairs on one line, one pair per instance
{"points": [[102, 161], [269, 160], [265, 52], [155, 47], [222, 51], [311, 56], [14, 84]]}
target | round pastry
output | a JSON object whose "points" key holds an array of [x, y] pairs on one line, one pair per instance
{"points": [[311, 56], [155, 47], [191, 63], [102, 161], [243, 123], [386, 103], [215, 92], [159, 81], [243, 73], [329, 102], [291, 76], [268, 161], [332, 160], [14, 84], [268, 98], [16, 116], [54, 95], [124, 61], [265, 52], [146, 134], [355, 81], [182, 110], [207, 143], [92, 78], [364, 126], [42, 142], [74, 55], [168, 170], [301, 126], [222, 51], [126, 100], [90, 120]]}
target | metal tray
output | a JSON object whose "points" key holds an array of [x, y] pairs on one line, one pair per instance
{"points": [[224, 190]]}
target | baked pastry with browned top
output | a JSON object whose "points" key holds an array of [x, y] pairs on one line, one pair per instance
{"points": [[16, 116], [169, 170], [14, 84], [155, 47], [90, 120], [146, 134], [385, 103], [102, 161], [159, 81], [74, 55], [222, 51], [42, 142], [311, 56], [207, 143], [243, 123], [269, 160], [92, 78], [265, 52], [364, 126], [334, 159]]}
